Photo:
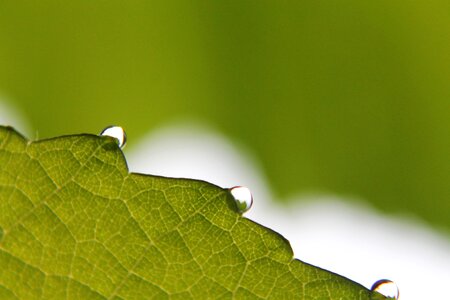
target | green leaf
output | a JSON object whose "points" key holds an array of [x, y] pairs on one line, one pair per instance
{"points": [[75, 224]]}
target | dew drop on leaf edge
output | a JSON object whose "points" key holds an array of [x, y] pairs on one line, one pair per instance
{"points": [[242, 197], [116, 132], [386, 287]]}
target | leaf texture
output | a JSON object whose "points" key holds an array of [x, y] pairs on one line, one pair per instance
{"points": [[75, 224]]}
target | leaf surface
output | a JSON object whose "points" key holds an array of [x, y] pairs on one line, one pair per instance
{"points": [[75, 224]]}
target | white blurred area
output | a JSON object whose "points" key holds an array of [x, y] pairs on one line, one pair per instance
{"points": [[346, 237], [10, 116]]}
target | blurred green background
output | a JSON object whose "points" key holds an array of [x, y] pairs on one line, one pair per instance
{"points": [[346, 97]]}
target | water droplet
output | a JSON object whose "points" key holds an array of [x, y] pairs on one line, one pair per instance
{"points": [[116, 132], [243, 198], [386, 287]]}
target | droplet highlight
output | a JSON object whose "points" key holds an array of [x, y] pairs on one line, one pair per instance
{"points": [[387, 288], [116, 132], [242, 197]]}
